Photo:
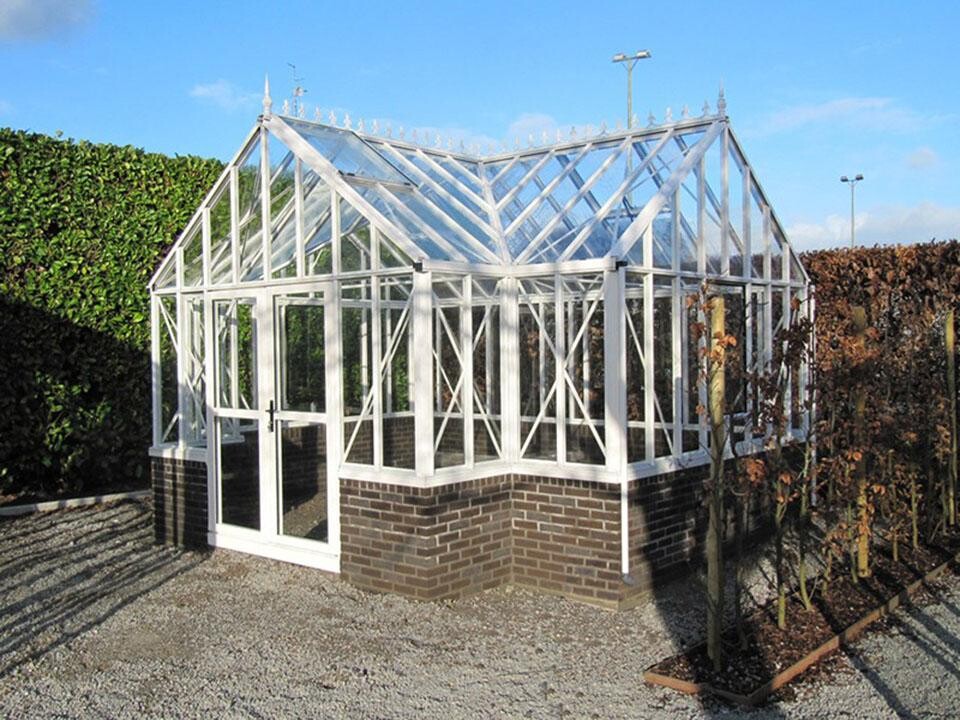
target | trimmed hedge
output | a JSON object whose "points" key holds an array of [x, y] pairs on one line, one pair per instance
{"points": [[82, 228]]}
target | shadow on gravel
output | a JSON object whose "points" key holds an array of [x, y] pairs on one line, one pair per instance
{"points": [[63, 574]]}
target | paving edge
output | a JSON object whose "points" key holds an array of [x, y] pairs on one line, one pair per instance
{"points": [[782, 678], [50, 506]]}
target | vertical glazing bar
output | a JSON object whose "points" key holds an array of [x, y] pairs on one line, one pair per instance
{"points": [[234, 321], [559, 373], [466, 350], [423, 373], [510, 369], [205, 238], [541, 351], [585, 349], [235, 224], [648, 366], [266, 236], [300, 258], [745, 223], [701, 216], [264, 363], [333, 369], [615, 373], [155, 373], [676, 311], [376, 350], [335, 240], [213, 438], [747, 356], [725, 202]]}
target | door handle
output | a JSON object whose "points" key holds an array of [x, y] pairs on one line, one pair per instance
{"points": [[271, 410]]}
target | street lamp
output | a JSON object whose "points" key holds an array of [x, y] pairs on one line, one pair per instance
{"points": [[853, 184], [628, 62]]}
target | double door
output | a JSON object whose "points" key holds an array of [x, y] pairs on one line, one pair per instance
{"points": [[274, 452]]}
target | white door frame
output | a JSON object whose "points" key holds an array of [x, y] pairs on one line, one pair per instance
{"points": [[267, 541]]}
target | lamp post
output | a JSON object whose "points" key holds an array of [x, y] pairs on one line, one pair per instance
{"points": [[853, 185], [628, 62]]}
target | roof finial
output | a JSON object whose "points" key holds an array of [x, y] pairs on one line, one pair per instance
{"points": [[360, 125], [267, 101], [559, 135], [388, 131], [721, 102], [706, 108], [685, 113], [285, 108], [668, 115], [573, 132], [317, 114], [651, 119], [636, 121], [332, 117], [603, 127], [544, 138], [375, 127], [347, 122]]}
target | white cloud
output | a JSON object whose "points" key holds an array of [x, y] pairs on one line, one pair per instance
{"points": [[225, 95], [861, 113], [922, 158], [41, 19], [881, 225]]}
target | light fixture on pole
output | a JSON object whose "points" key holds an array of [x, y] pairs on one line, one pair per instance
{"points": [[628, 62], [853, 185]]}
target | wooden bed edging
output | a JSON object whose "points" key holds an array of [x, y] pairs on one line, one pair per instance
{"points": [[782, 678], [50, 506]]}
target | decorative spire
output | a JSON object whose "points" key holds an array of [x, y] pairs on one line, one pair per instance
{"points": [[530, 140], [651, 119], [559, 135], [706, 108], [285, 108], [619, 126], [267, 101], [332, 117], [636, 121], [573, 132], [388, 131], [721, 102], [318, 115], [375, 127], [668, 116], [603, 127], [685, 113], [347, 122], [360, 126], [301, 110]]}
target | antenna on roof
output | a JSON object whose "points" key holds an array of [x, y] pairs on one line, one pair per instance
{"points": [[298, 91]]}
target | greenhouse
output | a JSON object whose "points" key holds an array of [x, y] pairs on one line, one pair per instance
{"points": [[434, 370]]}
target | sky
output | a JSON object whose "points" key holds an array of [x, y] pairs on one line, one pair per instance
{"points": [[814, 90]]}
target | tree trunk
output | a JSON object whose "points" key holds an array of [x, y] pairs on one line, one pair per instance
{"points": [[714, 540]]}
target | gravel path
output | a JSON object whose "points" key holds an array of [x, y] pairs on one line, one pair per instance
{"points": [[95, 621]]}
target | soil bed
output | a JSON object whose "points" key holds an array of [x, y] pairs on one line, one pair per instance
{"points": [[766, 650]]}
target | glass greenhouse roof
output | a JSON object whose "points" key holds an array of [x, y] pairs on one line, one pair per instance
{"points": [[679, 195]]}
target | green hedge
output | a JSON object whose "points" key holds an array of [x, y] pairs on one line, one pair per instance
{"points": [[82, 228]]}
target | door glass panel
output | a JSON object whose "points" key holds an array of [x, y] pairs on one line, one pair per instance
{"points": [[303, 481], [301, 356], [236, 353], [239, 472]]}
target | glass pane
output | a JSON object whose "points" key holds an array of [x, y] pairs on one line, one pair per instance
{"points": [[537, 370], [193, 257], [585, 413], [736, 229], [239, 472], [347, 152], [250, 227], [301, 356], [354, 239], [169, 387], [195, 373], [283, 215], [448, 378], [303, 484], [317, 225], [636, 399], [236, 353], [487, 441], [356, 351], [396, 381], [221, 251], [758, 242]]}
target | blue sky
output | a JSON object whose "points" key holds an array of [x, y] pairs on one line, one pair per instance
{"points": [[814, 89]]}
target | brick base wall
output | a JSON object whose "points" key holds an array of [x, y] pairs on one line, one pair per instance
{"points": [[555, 535], [179, 501]]}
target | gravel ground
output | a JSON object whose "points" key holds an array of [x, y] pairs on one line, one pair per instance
{"points": [[96, 621]]}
